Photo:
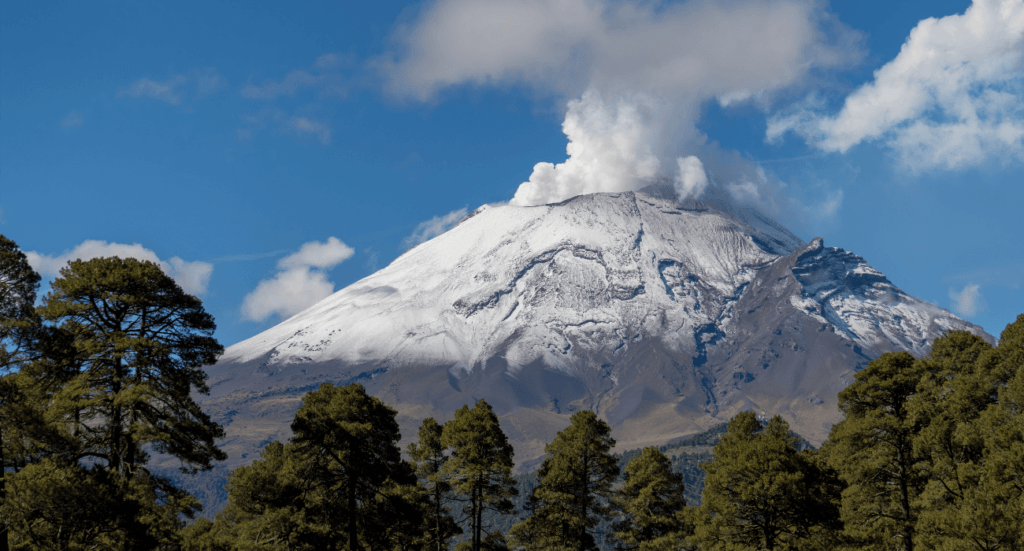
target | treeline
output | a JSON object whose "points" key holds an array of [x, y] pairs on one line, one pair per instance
{"points": [[930, 454]]}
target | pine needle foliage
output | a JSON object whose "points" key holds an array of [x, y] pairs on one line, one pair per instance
{"points": [[652, 504], [761, 493], [479, 468], [574, 486]]}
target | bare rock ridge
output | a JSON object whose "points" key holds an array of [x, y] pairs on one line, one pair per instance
{"points": [[664, 318]]}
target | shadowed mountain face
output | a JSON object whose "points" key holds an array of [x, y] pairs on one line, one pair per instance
{"points": [[665, 319]]}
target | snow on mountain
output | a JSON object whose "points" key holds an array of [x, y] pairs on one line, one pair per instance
{"points": [[531, 283], [664, 318], [525, 281]]}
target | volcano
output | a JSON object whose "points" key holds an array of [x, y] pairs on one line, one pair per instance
{"points": [[663, 317]]}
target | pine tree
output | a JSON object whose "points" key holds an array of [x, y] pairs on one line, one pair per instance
{"points": [[759, 491], [18, 286], [430, 457], [267, 503], [140, 343], [349, 442], [652, 504], [480, 466], [872, 450], [339, 483], [109, 380], [574, 488], [966, 406], [996, 509]]}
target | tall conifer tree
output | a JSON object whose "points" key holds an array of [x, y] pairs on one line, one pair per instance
{"points": [[140, 343], [971, 424], [430, 457], [759, 491], [652, 503], [349, 441], [574, 488], [18, 286], [480, 466], [872, 450]]}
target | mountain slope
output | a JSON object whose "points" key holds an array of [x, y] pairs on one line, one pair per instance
{"points": [[666, 319]]}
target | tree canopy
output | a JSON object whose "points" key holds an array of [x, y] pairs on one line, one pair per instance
{"points": [[480, 466], [652, 504], [760, 492], [574, 488]]}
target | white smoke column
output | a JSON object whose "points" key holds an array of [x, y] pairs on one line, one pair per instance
{"points": [[691, 180], [610, 149], [642, 72]]}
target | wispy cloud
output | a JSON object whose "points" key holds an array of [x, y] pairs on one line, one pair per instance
{"points": [[434, 227], [326, 80], [292, 83], [193, 277], [175, 88], [304, 125], [208, 81], [166, 91], [968, 301], [951, 99], [301, 281], [72, 120], [274, 118], [372, 259], [248, 257], [1010, 276]]}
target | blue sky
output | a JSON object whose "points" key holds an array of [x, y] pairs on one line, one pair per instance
{"points": [[268, 153]]}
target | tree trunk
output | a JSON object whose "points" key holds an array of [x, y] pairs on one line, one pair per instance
{"points": [[115, 421], [4, 545], [908, 528], [584, 504], [476, 517], [437, 517], [353, 543]]}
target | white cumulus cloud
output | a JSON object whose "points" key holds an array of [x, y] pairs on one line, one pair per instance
{"points": [[641, 71], [952, 98], [429, 229], [968, 301], [300, 282], [193, 277], [318, 255]]}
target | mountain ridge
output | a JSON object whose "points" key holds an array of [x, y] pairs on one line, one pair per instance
{"points": [[664, 318]]}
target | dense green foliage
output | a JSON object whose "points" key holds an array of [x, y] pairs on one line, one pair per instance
{"points": [[931, 449], [872, 449], [762, 493], [652, 504], [340, 483], [929, 455], [574, 487], [94, 381], [480, 468], [430, 458]]}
